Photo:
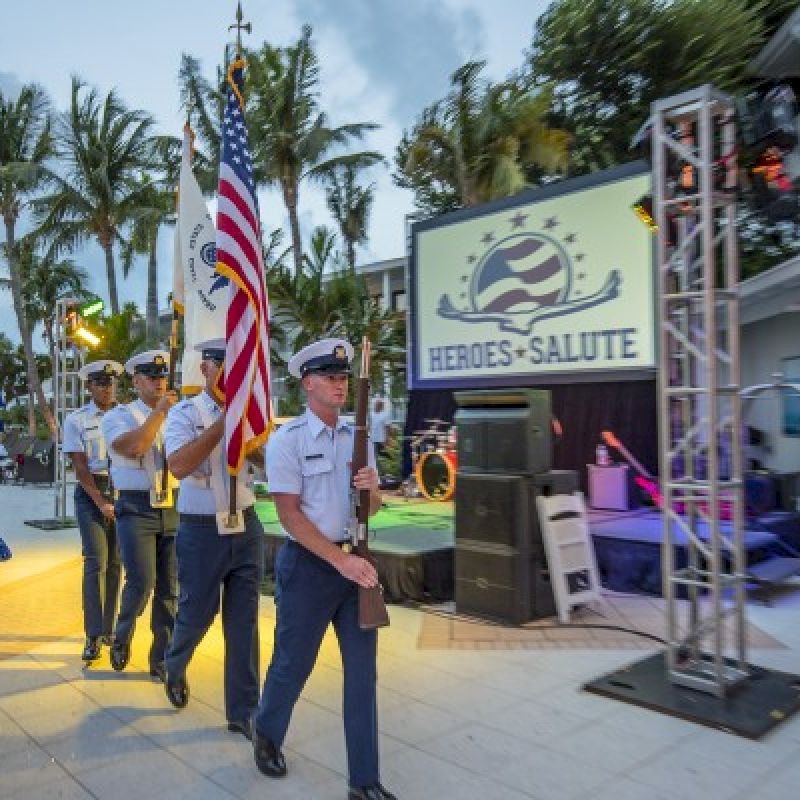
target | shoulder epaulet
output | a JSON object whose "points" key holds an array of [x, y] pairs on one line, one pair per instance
{"points": [[299, 422]]}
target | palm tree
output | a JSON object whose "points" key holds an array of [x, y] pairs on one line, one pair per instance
{"points": [[158, 208], [25, 145], [299, 299], [44, 281], [479, 143], [291, 138], [350, 205], [327, 298], [117, 332], [106, 148], [204, 105]]}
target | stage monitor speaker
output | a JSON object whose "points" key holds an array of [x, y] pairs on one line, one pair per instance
{"points": [[787, 489], [501, 585], [500, 510], [506, 431]]}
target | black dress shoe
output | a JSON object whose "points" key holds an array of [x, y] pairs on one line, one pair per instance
{"points": [[177, 690], [159, 671], [91, 649], [245, 727], [374, 792], [269, 758], [120, 655]]}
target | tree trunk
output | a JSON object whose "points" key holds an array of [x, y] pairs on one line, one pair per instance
{"points": [[112, 277], [26, 335], [351, 254], [290, 199], [151, 311], [31, 414]]}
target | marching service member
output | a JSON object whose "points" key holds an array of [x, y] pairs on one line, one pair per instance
{"points": [[316, 575], [211, 557], [146, 520], [94, 505]]}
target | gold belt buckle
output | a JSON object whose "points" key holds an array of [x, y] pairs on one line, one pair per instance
{"points": [[347, 547]]}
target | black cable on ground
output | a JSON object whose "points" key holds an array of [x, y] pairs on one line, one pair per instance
{"points": [[476, 621]]}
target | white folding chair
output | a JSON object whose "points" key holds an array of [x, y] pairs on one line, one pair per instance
{"points": [[570, 555]]}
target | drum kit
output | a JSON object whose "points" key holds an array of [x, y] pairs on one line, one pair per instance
{"points": [[433, 461]]}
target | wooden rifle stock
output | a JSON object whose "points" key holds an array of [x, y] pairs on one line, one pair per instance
{"points": [[372, 611]]}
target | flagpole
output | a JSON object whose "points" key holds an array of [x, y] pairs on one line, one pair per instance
{"points": [[232, 510]]}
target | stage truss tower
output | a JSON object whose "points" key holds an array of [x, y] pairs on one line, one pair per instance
{"points": [[700, 453], [68, 395]]}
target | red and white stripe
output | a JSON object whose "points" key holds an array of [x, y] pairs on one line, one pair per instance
{"points": [[248, 415]]}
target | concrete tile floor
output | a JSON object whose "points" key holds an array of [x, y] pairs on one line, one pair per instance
{"points": [[457, 723]]}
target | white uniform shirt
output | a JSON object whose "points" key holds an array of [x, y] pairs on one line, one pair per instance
{"points": [[184, 425], [128, 473], [378, 421], [83, 434], [307, 458]]}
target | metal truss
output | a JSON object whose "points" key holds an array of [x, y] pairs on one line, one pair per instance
{"points": [[700, 453], [68, 395]]}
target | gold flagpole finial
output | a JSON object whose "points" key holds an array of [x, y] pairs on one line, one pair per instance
{"points": [[240, 26]]}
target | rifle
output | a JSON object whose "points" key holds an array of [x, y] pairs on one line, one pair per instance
{"points": [[371, 607]]}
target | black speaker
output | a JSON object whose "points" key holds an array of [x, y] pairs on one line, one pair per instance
{"points": [[500, 563], [501, 509], [787, 489], [502, 585], [504, 431], [495, 510]]}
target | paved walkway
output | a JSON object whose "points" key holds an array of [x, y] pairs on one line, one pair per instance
{"points": [[484, 721]]}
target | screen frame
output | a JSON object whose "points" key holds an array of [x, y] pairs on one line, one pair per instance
{"points": [[526, 198]]}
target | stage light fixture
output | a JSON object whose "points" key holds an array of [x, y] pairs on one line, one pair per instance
{"points": [[86, 336], [643, 208], [92, 308]]}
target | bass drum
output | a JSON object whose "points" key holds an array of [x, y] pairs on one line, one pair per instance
{"points": [[436, 474]]}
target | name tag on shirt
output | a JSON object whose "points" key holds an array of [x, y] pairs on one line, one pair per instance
{"points": [[315, 455]]}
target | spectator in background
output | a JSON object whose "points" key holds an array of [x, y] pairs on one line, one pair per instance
{"points": [[379, 422]]}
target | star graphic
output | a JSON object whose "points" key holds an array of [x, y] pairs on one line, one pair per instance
{"points": [[550, 222], [464, 278], [518, 220], [581, 276], [520, 351], [487, 237], [570, 238], [580, 256], [472, 259]]}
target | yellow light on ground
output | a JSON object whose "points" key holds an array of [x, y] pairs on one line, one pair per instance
{"points": [[86, 336]]}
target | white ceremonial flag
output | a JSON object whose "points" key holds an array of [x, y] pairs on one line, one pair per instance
{"points": [[199, 292]]}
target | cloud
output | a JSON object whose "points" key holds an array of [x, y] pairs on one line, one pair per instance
{"points": [[10, 84], [407, 49]]}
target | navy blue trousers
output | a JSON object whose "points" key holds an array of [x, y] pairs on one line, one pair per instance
{"points": [[234, 563], [147, 545], [309, 595], [101, 567]]}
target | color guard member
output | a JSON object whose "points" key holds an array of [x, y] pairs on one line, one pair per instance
{"points": [[94, 505]]}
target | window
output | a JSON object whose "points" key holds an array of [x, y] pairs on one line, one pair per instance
{"points": [[791, 399], [399, 300]]}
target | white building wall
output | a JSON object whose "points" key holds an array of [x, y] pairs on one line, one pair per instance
{"points": [[763, 344]]}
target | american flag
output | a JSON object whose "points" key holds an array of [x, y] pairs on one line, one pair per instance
{"points": [[248, 413]]}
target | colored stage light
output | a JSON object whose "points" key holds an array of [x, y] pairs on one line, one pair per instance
{"points": [[643, 208], [86, 336]]}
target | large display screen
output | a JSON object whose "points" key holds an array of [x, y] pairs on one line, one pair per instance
{"points": [[548, 285]]}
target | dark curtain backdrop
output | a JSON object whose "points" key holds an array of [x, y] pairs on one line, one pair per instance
{"points": [[628, 408]]}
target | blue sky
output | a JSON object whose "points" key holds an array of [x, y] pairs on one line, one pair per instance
{"points": [[381, 60]]}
